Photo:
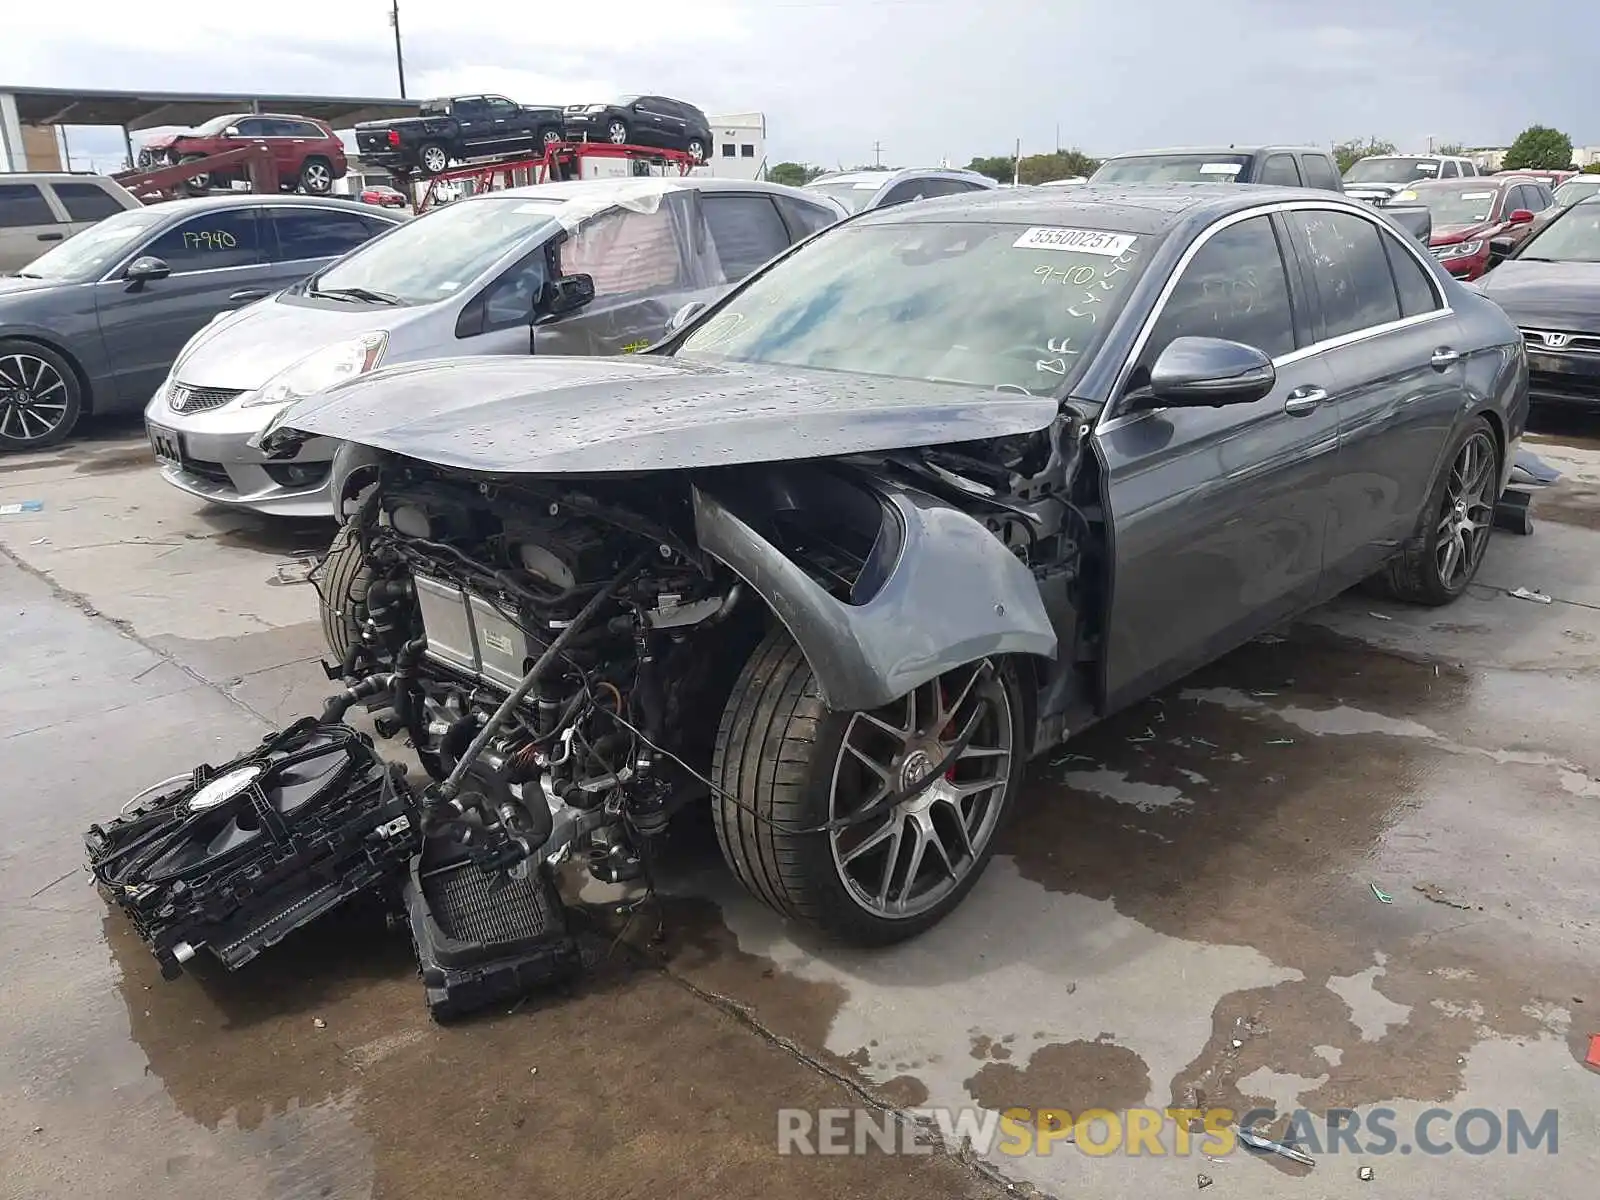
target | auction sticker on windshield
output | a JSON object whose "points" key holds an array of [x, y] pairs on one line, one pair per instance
{"points": [[1085, 241], [1221, 168]]}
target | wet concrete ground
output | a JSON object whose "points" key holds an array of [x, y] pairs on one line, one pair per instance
{"points": [[1183, 913]]}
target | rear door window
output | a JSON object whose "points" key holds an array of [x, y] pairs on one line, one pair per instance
{"points": [[804, 219], [310, 233], [23, 204], [257, 127], [1279, 169], [1350, 270], [86, 201], [1411, 279], [746, 231], [228, 237], [1319, 172], [1235, 287]]}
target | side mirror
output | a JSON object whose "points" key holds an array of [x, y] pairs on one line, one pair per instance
{"points": [[684, 315], [231, 131], [145, 268], [1203, 372], [1520, 216], [565, 295]]}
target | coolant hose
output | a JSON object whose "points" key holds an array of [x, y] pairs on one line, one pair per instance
{"points": [[452, 785], [364, 689]]}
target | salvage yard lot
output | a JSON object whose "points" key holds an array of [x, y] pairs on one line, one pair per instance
{"points": [[1351, 865]]}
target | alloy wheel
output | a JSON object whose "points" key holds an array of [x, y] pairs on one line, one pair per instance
{"points": [[617, 133], [33, 398], [1464, 525], [552, 136], [435, 159], [903, 862], [316, 177]]}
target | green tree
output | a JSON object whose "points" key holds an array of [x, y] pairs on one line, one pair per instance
{"points": [[1063, 164], [1450, 149], [1539, 148], [794, 174], [1592, 169], [1347, 154], [1000, 167]]}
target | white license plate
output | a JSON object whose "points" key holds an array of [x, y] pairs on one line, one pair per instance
{"points": [[167, 444]]}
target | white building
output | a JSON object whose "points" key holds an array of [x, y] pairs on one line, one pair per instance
{"points": [[738, 146]]}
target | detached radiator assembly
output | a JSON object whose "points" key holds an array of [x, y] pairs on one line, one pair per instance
{"points": [[231, 859], [226, 861]]}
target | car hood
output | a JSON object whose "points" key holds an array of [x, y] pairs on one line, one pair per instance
{"points": [[15, 286], [1564, 294], [242, 350], [1443, 235], [648, 413]]}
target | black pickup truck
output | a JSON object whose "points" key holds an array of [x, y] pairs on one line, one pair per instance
{"points": [[457, 128]]}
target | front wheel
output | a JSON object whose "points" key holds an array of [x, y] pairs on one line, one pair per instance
{"points": [[617, 133], [342, 583], [786, 764], [40, 396], [1441, 558]]}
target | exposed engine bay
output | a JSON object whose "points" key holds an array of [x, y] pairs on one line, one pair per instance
{"points": [[560, 651], [575, 659]]}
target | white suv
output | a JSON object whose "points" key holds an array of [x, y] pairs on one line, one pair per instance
{"points": [[38, 211], [1379, 176]]}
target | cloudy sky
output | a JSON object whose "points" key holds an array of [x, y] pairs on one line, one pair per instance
{"points": [[928, 79]]}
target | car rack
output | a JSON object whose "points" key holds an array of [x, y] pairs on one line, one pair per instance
{"points": [[163, 183], [560, 161]]}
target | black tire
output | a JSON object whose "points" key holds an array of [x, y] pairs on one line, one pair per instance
{"points": [[316, 176], [1417, 574], [617, 132], [776, 752], [342, 583], [195, 185], [41, 397], [441, 159], [696, 149], [549, 136]]}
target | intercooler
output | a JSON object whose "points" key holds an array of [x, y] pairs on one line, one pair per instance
{"points": [[468, 633]]}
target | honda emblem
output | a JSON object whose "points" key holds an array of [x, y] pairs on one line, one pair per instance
{"points": [[1557, 341]]}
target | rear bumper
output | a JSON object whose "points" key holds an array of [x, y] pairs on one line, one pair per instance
{"points": [[388, 157]]}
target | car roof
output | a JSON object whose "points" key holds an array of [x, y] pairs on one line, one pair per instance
{"points": [[1478, 181], [52, 177], [591, 191], [196, 204], [1142, 208], [1251, 149], [895, 176]]}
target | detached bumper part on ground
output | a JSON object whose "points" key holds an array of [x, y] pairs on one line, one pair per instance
{"points": [[230, 860]]}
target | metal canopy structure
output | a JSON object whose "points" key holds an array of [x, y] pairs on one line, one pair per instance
{"points": [[28, 116], [147, 110]]}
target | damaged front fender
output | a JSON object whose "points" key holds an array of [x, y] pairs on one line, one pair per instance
{"points": [[953, 595]]}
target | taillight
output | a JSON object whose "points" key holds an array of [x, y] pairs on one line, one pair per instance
{"points": [[394, 138]]}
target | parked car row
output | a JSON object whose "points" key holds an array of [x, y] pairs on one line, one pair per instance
{"points": [[456, 128]]}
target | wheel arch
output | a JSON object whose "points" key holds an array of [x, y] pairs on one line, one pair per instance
{"points": [[923, 617]]}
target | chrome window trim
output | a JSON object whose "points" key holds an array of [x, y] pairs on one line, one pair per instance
{"points": [[1107, 423]]}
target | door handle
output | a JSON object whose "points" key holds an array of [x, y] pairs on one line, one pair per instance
{"points": [[1444, 358], [1304, 400], [51, 237], [247, 294]]}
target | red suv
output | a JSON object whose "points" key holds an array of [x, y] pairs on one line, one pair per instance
{"points": [[1469, 214], [309, 154]]}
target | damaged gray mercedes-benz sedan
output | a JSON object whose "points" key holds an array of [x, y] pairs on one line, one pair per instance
{"points": [[923, 497]]}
